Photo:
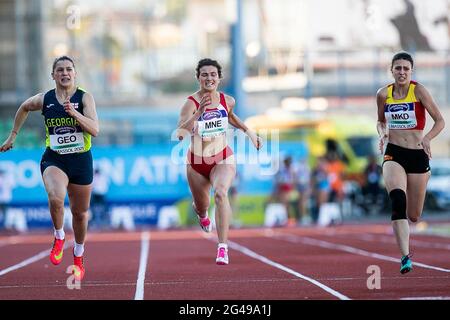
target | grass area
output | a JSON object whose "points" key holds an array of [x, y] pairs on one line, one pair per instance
{"points": [[441, 229], [250, 210]]}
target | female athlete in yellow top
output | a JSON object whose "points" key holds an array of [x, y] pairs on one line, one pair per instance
{"points": [[406, 168]]}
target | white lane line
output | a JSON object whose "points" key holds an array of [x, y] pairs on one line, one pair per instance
{"points": [[26, 262], [261, 258], [145, 245], [30, 260], [387, 239], [425, 298], [342, 247]]}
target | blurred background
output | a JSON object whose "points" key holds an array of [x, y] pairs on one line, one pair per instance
{"points": [[304, 74]]}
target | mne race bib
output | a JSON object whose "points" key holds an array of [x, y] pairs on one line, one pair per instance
{"points": [[213, 123]]}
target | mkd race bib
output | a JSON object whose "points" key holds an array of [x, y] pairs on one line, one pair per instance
{"points": [[213, 123], [400, 115], [67, 139]]}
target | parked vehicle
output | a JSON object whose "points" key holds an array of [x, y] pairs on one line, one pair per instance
{"points": [[438, 189]]}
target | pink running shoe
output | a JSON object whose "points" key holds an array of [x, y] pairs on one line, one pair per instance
{"points": [[222, 256], [205, 223]]}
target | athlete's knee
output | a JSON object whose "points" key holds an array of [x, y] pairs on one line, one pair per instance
{"points": [[55, 200], [80, 210], [220, 193], [414, 219], [79, 214], [398, 199]]}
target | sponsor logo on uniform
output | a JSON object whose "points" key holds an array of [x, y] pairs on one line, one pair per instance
{"points": [[388, 157], [211, 115], [50, 105], [75, 105], [65, 130], [397, 107]]}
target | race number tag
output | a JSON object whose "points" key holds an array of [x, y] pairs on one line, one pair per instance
{"points": [[212, 124], [65, 140], [401, 116]]}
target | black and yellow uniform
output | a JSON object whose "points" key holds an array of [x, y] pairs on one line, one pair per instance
{"points": [[68, 146], [405, 114]]}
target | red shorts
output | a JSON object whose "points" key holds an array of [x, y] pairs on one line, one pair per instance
{"points": [[204, 165], [286, 187]]}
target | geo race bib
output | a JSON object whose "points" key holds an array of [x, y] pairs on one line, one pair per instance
{"points": [[66, 139]]}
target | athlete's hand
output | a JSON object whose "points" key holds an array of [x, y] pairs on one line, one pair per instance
{"points": [[68, 107], [426, 146], [256, 140], [205, 102], [8, 144], [382, 143]]}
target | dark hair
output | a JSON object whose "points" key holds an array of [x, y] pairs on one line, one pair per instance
{"points": [[208, 62], [62, 58], [402, 55]]}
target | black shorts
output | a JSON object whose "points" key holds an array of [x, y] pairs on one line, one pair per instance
{"points": [[412, 160], [78, 167]]}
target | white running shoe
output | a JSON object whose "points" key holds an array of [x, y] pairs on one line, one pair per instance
{"points": [[222, 256]]}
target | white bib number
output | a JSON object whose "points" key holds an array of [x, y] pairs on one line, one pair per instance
{"points": [[67, 143], [213, 127], [401, 120]]}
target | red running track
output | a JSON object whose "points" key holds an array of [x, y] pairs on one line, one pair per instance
{"points": [[265, 264]]}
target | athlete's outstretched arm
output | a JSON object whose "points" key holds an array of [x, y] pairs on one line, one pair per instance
{"points": [[234, 120], [88, 120], [31, 104]]}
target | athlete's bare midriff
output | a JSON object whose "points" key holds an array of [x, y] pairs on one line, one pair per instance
{"points": [[207, 148], [410, 139]]}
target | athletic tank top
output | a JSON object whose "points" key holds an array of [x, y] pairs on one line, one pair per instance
{"points": [[407, 113], [214, 121], [63, 134]]}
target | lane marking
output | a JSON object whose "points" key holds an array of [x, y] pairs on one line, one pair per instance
{"points": [[387, 239], [31, 260], [346, 248], [26, 262], [189, 282], [425, 298], [145, 245], [265, 260]]}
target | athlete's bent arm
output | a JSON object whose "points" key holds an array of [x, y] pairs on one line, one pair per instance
{"points": [[88, 121], [31, 104], [234, 120], [381, 123], [428, 102], [189, 115]]}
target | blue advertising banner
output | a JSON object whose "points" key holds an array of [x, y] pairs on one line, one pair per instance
{"points": [[148, 172]]}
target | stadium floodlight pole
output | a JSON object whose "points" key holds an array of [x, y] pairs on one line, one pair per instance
{"points": [[234, 10]]}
